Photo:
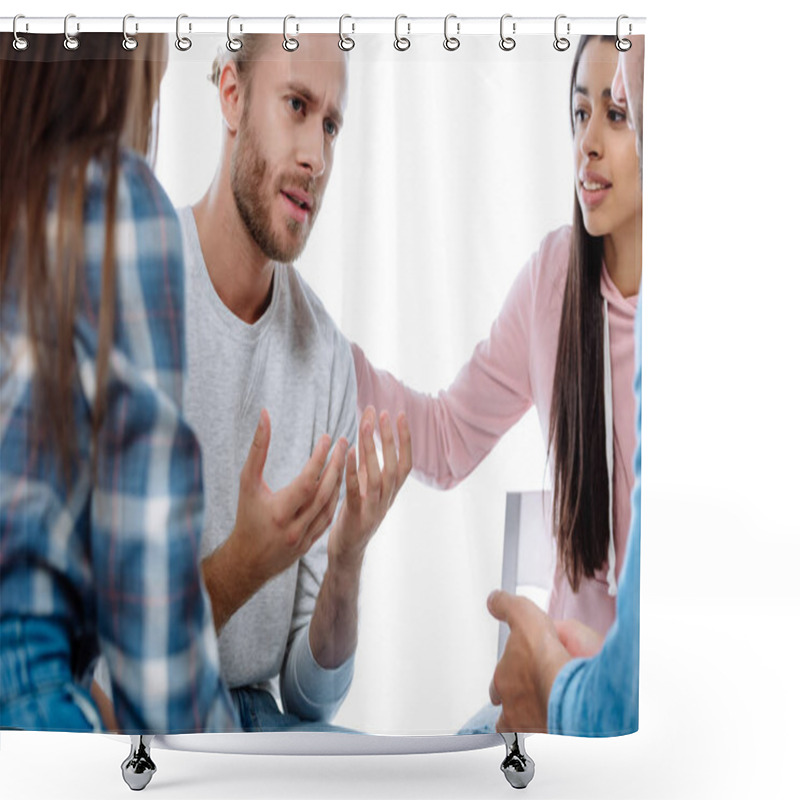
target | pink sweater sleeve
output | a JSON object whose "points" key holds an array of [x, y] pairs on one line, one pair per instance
{"points": [[452, 432]]}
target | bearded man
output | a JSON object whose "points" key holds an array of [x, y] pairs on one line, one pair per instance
{"points": [[263, 354]]}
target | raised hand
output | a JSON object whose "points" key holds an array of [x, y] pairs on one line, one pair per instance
{"points": [[333, 631], [272, 529], [370, 491]]}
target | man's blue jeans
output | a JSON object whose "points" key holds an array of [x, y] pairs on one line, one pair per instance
{"points": [[258, 711]]}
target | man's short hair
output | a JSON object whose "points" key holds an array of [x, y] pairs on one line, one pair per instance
{"points": [[252, 46]]}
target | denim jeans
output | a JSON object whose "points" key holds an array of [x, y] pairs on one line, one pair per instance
{"points": [[37, 689], [258, 711]]}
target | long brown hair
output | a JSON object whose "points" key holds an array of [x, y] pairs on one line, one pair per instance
{"points": [[577, 436], [60, 110]]}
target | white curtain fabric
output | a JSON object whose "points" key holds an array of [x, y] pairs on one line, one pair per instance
{"points": [[450, 168]]}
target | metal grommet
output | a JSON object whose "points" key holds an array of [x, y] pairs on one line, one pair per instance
{"points": [[561, 43], [70, 42], [20, 43], [623, 45], [183, 43], [346, 43], [506, 42], [128, 42], [289, 44], [451, 43], [233, 44], [401, 43]]}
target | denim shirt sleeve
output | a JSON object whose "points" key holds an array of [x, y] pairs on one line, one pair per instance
{"points": [[599, 696]]}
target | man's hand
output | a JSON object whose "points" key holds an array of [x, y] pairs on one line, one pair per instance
{"points": [[333, 631], [370, 491], [272, 529], [530, 663], [580, 640]]}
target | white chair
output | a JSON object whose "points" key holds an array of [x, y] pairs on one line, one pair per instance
{"points": [[529, 553]]}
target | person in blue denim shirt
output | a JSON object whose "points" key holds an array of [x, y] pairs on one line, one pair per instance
{"points": [[538, 683], [101, 497]]}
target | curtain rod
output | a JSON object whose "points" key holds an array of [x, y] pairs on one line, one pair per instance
{"points": [[349, 25]]}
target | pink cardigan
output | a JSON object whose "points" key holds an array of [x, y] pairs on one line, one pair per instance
{"points": [[509, 372]]}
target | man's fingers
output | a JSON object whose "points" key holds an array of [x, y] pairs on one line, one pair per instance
{"points": [[253, 468], [328, 485], [404, 461], [351, 480], [301, 491], [389, 476], [372, 468], [366, 419], [499, 604], [567, 634], [494, 695], [578, 639], [319, 524], [331, 478]]}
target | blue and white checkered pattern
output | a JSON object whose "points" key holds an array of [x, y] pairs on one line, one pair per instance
{"points": [[115, 559]]}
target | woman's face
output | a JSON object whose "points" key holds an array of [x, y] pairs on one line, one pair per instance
{"points": [[606, 164]]}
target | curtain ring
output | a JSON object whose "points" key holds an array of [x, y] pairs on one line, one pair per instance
{"points": [[128, 42], [346, 43], [289, 44], [183, 43], [561, 43], [233, 44], [623, 45], [506, 42], [401, 43], [451, 43], [70, 42], [20, 43]]}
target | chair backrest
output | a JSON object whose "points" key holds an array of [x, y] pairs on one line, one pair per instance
{"points": [[529, 553]]}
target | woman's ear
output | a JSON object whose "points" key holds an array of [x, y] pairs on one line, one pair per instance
{"points": [[231, 96]]}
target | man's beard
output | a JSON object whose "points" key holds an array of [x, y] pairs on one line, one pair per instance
{"points": [[250, 172]]}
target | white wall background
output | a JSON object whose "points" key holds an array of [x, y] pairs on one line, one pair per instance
{"points": [[720, 701]]}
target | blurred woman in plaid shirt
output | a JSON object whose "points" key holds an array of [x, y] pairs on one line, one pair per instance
{"points": [[101, 499]]}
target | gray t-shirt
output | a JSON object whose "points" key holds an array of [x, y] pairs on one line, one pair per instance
{"points": [[296, 363]]}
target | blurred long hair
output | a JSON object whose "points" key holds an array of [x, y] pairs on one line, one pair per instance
{"points": [[59, 110]]}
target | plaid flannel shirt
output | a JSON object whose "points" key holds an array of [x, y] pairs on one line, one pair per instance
{"points": [[115, 558]]}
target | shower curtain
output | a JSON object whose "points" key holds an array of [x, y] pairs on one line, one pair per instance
{"points": [[440, 198]]}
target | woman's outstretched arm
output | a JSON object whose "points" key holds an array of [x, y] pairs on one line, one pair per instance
{"points": [[453, 431]]}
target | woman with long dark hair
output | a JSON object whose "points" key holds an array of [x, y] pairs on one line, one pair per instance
{"points": [[100, 491], [564, 342]]}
